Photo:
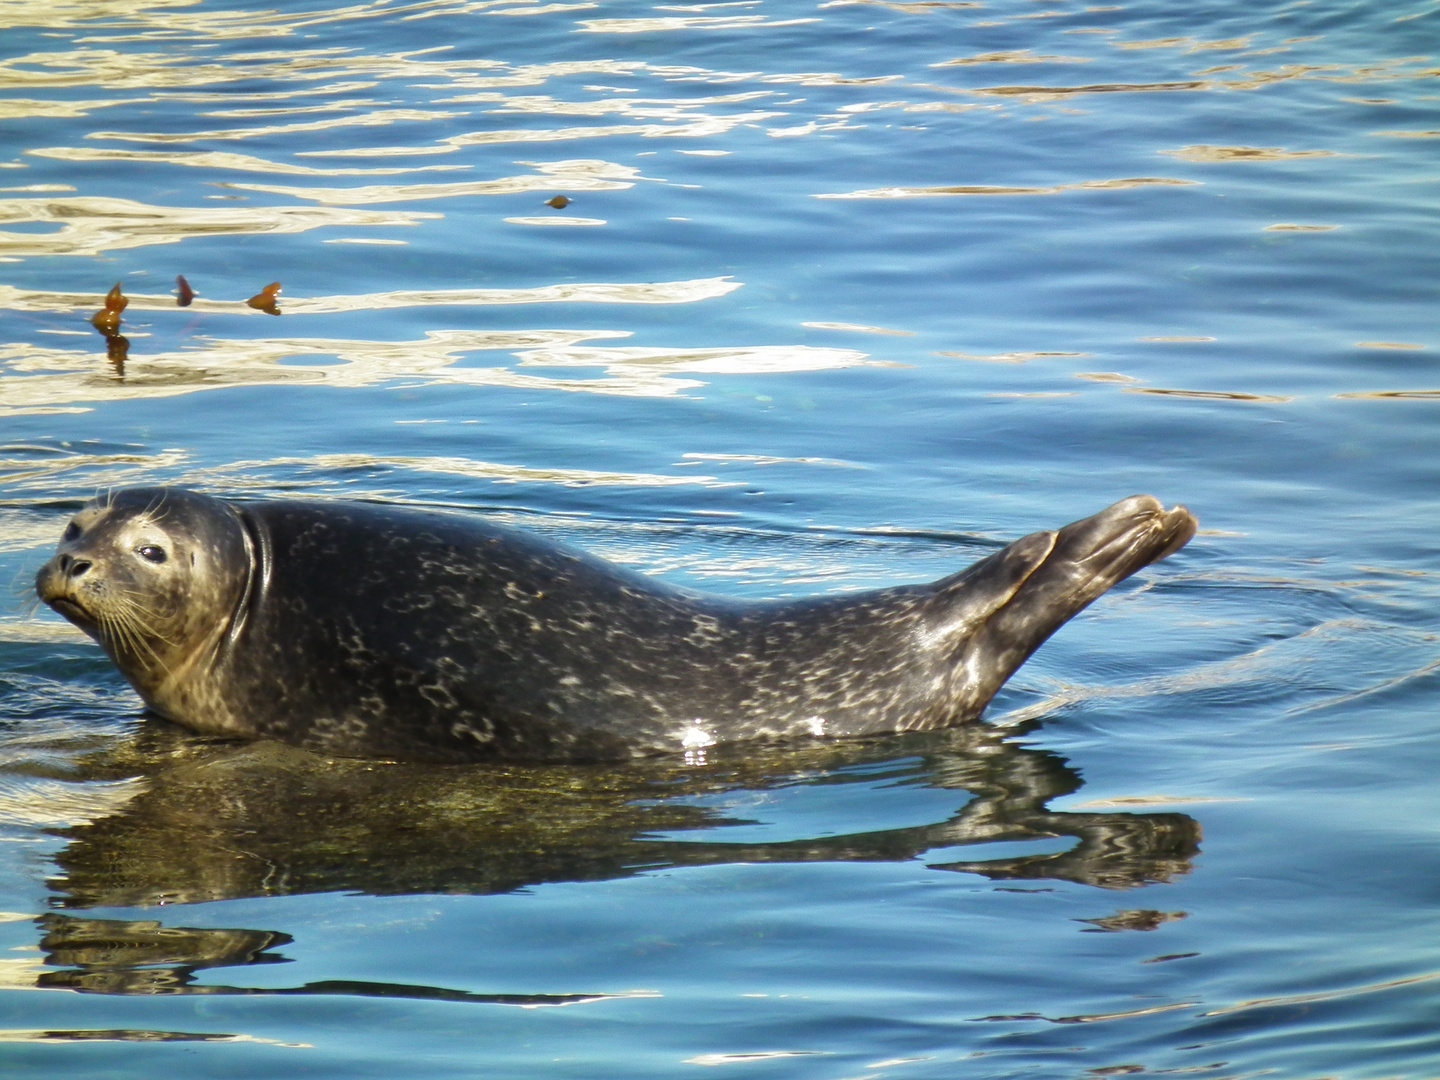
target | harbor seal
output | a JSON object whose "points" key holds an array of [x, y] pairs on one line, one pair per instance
{"points": [[371, 631]]}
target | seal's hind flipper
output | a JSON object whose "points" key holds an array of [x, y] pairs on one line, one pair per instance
{"points": [[1083, 561]]}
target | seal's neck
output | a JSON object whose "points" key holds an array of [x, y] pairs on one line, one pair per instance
{"points": [[184, 687]]}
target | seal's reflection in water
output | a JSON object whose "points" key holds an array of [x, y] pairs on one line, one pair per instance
{"points": [[223, 821], [142, 957]]}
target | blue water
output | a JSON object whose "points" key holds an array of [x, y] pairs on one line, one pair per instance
{"points": [[846, 295]]}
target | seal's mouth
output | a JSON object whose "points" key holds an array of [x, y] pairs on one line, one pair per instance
{"points": [[72, 611]]}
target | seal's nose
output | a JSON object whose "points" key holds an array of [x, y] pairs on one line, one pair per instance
{"points": [[73, 567]]}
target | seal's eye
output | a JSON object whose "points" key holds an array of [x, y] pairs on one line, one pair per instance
{"points": [[71, 531], [152, 553]]}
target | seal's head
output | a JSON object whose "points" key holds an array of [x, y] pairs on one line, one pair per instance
{"points": [[153, 574]]}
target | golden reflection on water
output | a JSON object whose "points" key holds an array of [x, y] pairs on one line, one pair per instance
{"points": [[1036, 94], [574, 175], [990, 189], [551, 221], [239, 475], [94, 225], [681, 22], [1010, 357], [917, 7], [1243, 79], [84, 473], [61, 13], [767, 459], [651, 292], [1243, 153], [116, 70], [1391, 395], [1188, 44], [42, 378], [638, 108], [691, 128], [44, 803], [1124, 801], [542, 9], [230, 97], [217, 159], [379, 118], [335, 88], [44, 466], [857, 328], [1033, 394], [22, 530], [1016, 56], [330, 77], [18, 108], [226, 25], [1209, 395], [33, 631]]}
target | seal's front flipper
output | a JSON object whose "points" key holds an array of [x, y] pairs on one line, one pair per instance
{"points": [[1085, 560]]}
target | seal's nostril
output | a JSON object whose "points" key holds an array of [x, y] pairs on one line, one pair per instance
{"points": [[65, 561], [78, 567]]}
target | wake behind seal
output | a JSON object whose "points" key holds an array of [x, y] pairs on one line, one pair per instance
{"points": [[365, 631]]}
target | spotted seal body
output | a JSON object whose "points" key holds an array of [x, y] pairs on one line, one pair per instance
{"points": [[366, 631]]}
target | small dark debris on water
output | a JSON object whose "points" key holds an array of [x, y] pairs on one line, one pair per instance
{"points": [[184, 292], [265, 299], [559, 202]]}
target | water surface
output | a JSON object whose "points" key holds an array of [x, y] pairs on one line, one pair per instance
{"points": [[844, 294]]}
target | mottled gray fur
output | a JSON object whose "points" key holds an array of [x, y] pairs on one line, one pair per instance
{"points": [[366, 631]]}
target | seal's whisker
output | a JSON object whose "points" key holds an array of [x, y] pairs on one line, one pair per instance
{"points": [[155, 512], [167, 613], [155, 613], [123, 634], [137, 618], [22, 586], [107, 631], [112, 629]]}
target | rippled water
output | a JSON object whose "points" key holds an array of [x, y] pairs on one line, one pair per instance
{"points": [[845, 294]]}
